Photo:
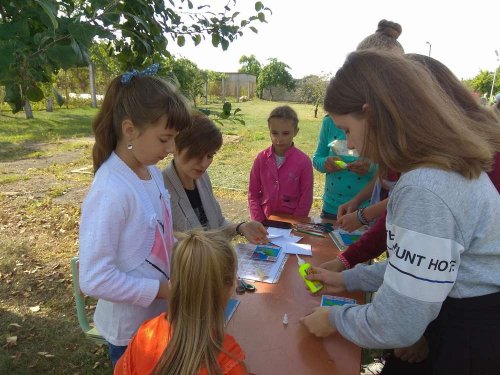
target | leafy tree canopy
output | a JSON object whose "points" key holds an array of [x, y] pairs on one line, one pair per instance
{"points": [[38, 37], [250, 65], [275, 74], [188, 77], [312, 89], [483, 81]]}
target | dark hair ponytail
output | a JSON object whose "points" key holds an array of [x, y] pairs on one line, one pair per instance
{"points": [[106, 136], [142, 100]]}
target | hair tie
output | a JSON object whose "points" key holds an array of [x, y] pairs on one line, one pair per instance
{"points": [[149, 71]]}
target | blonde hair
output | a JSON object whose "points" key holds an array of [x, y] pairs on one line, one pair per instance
{"points": [[384, 38], [203, 267], [411, 121]]}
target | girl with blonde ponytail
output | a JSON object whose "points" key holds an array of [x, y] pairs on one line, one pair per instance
{"points": [[190, 339]]}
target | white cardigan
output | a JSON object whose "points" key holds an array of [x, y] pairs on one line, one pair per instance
{"points": [[117, 231]]}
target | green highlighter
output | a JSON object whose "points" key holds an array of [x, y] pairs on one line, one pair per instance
{"points": [[304, 269], [341, 164]]}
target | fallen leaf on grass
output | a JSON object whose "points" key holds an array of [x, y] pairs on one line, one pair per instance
{"points": [[35, 308], [11, 341], [96, 365], [46, 354], [15, 325]]}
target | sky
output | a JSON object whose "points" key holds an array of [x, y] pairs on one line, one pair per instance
{"points": [[314, 36]]}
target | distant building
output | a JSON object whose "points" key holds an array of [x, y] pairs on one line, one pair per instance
{"points": [[239, 85]]}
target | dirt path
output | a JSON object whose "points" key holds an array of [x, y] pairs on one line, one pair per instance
{"points": [[66, 175]]}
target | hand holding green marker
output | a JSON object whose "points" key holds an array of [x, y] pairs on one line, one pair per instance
{"points": [[341, 164]]}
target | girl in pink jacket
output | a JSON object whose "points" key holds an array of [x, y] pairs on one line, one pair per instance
{"points": [[281, 179]]}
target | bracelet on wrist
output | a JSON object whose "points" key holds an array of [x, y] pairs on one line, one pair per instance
{"points": [[238, 228], [344, 261], [361, 217]]}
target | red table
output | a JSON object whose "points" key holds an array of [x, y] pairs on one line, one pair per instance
{"points": [[274, 348]]}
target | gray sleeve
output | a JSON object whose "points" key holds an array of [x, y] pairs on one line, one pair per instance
{"points": [[424, 245], [366, 278], [390, 321]]}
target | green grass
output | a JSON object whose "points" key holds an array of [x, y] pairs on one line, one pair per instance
{"points": [[17, 133], [9, 178]]}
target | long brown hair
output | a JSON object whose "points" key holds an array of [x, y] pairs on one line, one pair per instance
{"points": [[143, 101], [458, 92], [203, 267], [411, 121]]}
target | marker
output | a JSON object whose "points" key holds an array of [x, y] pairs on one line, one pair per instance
{"points": [[341, 164], [305, 269], [311, 233]]}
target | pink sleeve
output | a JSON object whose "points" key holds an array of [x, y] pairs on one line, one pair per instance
{"points": [[306, 189], [255, 193]]}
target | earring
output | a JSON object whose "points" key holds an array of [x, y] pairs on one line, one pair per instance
{"points": [[129, 146]]}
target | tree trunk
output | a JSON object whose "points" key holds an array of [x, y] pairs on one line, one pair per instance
{"points": [[316, 110], [223, 89], [271, 94], [28, 110], [206, 92], [50, 104], [92, 85], [66, 83]]}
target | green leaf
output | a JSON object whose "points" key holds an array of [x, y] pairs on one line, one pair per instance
{"points": [[262, 17], [9, 30], [224, 43], [181, 40], [83, 33], [34, 93], [215, 40], [59, 98], [7, 56], [50, 10], [13, 98], [205, 111], [259, 6], [63, 55], [226, 108], [196, 39], [254, 29]]}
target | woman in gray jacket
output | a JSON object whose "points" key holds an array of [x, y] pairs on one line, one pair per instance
{"points": [[192, 199]]}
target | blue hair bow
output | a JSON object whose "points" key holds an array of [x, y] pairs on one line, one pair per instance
{"points": [[149, 71]]}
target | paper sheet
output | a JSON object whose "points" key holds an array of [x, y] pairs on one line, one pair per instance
{"points": [[277, 232]]}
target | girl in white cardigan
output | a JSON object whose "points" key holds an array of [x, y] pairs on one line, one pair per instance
{"points": [[126, 224]]}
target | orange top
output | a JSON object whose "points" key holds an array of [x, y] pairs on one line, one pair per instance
{"points": [[150, 341]]}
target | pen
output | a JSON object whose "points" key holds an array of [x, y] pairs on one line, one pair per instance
{"points": [[311, 233]]}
